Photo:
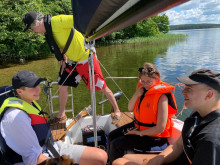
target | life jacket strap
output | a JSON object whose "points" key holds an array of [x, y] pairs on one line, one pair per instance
{"points": [[51, 148], [144, 124]]}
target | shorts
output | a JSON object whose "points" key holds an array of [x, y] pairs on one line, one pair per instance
{"points": [[83, 70], [69, 77], [72, 151]]}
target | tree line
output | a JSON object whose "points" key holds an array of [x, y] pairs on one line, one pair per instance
{"points": [[16, 44], [193, 26], [153, 26]]}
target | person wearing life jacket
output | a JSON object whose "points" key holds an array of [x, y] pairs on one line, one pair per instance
{"points": [[199, 143], [153, 105], [74, 63], [25, 135]]}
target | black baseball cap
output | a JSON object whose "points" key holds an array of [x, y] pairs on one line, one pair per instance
{"points": [[26, 78], [29, 19], [205, 76]]}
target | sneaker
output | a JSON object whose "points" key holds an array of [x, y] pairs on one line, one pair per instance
{"points": [[57, 120]]}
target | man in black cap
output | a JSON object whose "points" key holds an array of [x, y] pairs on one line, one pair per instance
{"points": [[200, 139], [25, 136], [74, 63]]}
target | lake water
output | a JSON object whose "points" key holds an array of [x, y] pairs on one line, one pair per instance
{"points": [[200, 49], [174, 59]]}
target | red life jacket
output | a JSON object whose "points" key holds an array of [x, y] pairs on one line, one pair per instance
{"points": [[145, 112]]}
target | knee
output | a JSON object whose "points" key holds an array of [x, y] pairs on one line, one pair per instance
{"points": [[106, 90], [102, 155], [126, 156], [118, 161]]}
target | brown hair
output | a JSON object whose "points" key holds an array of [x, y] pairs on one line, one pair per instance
{"points": [[149, 70]]}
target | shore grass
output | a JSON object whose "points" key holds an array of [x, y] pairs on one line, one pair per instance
{"points": [[162, 38]]}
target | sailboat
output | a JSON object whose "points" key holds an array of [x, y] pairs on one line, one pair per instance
{"points": [[95, 19]]}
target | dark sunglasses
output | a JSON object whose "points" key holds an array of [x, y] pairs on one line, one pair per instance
{"points": [[149, 70]]}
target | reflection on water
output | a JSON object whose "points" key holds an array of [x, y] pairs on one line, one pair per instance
{"points": [[124, 61], [200, 49]]}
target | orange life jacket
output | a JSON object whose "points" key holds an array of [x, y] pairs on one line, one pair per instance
{"points": [[145, 112]]}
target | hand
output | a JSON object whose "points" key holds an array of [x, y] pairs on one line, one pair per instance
{"points": [[64, 56], [63, 65], [132, 131], [139, 91]]}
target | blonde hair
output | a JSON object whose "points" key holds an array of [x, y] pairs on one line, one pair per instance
{"points": [[149, 70]]}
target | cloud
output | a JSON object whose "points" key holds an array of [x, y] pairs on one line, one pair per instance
{"points": [[195, 11]]}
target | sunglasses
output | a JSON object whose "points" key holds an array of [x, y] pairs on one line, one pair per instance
{"points": [[149, 70]]}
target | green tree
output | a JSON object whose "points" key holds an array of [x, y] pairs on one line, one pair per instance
{"points": [[14, 43], [162, 22], [147, 28], [130, 32], [150, 27]]}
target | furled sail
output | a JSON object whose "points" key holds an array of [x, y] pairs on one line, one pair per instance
{"points": [[97, 18]]}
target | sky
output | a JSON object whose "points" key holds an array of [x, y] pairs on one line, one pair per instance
{"points": [[195, 12]]}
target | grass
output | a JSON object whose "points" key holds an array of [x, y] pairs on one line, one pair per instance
{"points": [[162, 38]]}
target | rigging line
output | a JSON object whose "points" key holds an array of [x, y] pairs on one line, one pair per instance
{"points": [[180, 85], [5, 92], [114, 81]]}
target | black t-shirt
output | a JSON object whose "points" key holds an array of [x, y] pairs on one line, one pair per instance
{"points": [[201, 138]]}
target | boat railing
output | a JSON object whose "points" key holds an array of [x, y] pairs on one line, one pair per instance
{"points": [[113, 78], [51, 95]]}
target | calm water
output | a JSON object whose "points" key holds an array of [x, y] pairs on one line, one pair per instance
{"points": [[200, 49]]}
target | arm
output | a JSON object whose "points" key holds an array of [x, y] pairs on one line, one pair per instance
{"points": [[171, 153], [139, 91], [162, 116], [19, 135], [207, 152]]}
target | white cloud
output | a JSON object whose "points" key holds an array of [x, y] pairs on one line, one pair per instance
{"points": [[195, 11]]}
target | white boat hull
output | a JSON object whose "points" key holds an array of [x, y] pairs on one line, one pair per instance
{"points": [[74, 135]]}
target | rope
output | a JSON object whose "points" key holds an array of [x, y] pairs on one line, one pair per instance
{"points": [[180, 85], [113, 80]]}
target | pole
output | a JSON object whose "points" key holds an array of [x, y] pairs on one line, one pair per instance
{"points": [[93, 98]]}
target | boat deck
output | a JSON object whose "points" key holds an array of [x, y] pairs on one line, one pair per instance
{"points": [[59, 128]]}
